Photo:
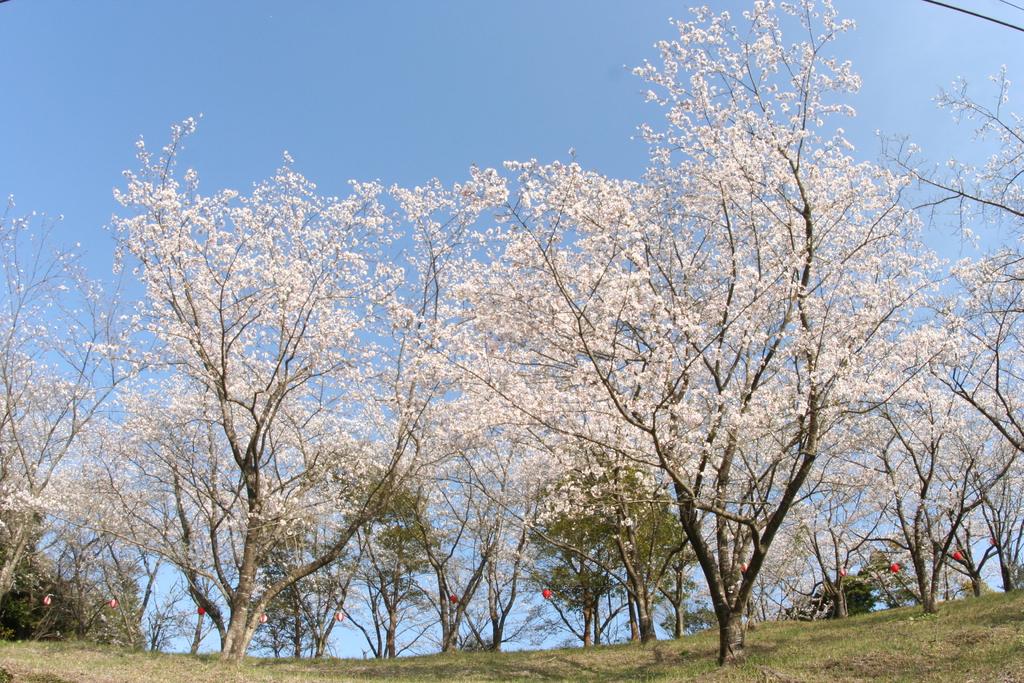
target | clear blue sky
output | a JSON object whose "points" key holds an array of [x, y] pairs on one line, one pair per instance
{"points": [[398, 91]]}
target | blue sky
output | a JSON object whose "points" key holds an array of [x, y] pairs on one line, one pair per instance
{"points": [[399, 91]]}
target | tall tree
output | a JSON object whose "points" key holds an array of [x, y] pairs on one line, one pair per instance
{"points": [[931, 453], [292, 330], [715, 319], [60, 361]]}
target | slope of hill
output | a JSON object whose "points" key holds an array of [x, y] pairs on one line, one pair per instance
{"points": [[969, 640]]}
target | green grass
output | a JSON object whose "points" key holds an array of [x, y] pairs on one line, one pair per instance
{"points": [[979, 640]]}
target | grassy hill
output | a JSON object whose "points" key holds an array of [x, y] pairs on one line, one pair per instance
{"points": [[978, 640]]}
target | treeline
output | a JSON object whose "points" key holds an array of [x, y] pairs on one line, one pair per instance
{"points": [[536, 405]]}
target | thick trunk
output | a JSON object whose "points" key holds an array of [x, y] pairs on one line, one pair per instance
{"points": [[925, 578], [928, 589], [447, 608], [450, 643], [730, 638], [236, 641], [841, 611], [14, 554], [588, 621], [391, 651], [321, 646], [241, 627], [678, 622], [232, 647], [1007, 577], [976, 585], [645, 619], [497, 636], [928, 602]]}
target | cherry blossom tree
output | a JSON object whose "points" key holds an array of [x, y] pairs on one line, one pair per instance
{"points": [[985, 314], [714, 320], [60, 361], [933, 458], [292, 331], [1003, 516], [390, 603], [446, 517], [507, 503], [835, 522], [973, 547]]}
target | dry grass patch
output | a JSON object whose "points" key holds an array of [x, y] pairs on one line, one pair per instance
{"points": [[977, 640]]}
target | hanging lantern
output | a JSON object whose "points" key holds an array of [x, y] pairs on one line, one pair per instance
{"points": [[48, 600], [546, 593], [452, 599], [112, 603], [339, 616], [992, 541], [263, 618], [743, 567], [957, 555], [842, 572], [894, 567], [200, 611]]}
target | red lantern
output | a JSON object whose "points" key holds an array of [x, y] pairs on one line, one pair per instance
{"points": [[47, 600], [113, 603], [546, 593], [201, 611], [958, 556], [263, 618], [842, 572], [993, 541], [339, 616], [452, 599], [894, 567], [743, 567]]}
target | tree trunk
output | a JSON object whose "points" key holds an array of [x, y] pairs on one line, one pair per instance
{"points": [[496, 636], [925, 581], [588, 620], [197, 636], [928, 602], [645, 619], [13, 556], [240, 631], [391, 652], [236, 641], [497, 622], [730, 638], [840, 611], [679, 621], [634, 628], [1004, 570]]}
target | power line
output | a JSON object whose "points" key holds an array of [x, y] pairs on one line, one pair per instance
{"points": [[975, 14], [1007, 2]]}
